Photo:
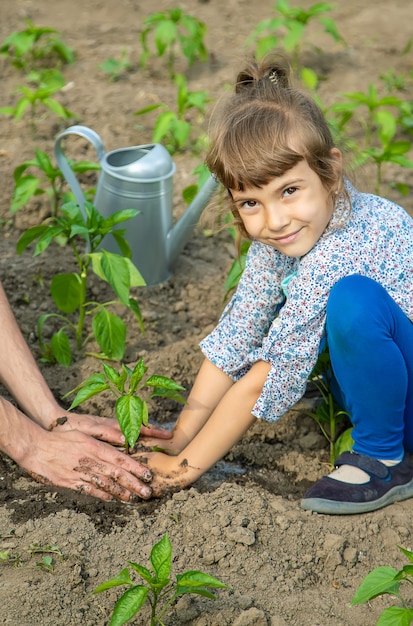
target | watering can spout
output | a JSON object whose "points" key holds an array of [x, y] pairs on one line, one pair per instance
{"points": [[179, 234]]}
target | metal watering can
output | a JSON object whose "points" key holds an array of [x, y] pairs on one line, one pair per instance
{"points": [[141, 178]]}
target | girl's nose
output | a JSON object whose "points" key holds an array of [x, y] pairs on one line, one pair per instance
{"points": [[276, 218]]}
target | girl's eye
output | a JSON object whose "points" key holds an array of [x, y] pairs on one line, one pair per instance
{"points": [[290, 191], [248, 204]]}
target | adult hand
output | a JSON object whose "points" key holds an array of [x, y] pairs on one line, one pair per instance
{"points": [[103, 428], [78, 461]]}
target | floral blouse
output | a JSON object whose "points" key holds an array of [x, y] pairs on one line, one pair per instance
{"points": [[260, 323]]}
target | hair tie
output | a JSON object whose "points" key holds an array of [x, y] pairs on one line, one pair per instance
{"points": [[273, 76]]}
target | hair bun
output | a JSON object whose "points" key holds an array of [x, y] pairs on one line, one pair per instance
{"points": [[260, 72]]}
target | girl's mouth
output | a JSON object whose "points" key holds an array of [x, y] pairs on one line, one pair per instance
{"points": [[285, 239]]}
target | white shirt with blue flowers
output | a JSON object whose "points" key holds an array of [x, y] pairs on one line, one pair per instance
{"points": [[260, 324]]}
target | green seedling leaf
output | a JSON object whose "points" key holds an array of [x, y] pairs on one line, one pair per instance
{"points": [[378, 581], [60, 346], [128, 605], [135, 308], [29, 236], [144, 572], [110, 333], [130, 415], [195, 578], [67, 291], [26, 187], [137, 374], [395, 616], [116, 378], [123, 578], [116, 272], [89, 389], [407, 553], [161, 558]]}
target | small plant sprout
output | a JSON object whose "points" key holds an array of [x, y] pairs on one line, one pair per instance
{"points": [[69, 290], [172, 127], [115, 68], [7, 557], [172, 31], [387, 580], [159, 591], [131, 409], [28, 186], [35, 45], [327, 414], [47, 84], [288, 28]]}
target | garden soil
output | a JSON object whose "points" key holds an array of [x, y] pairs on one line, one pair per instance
{"points": [[242, 522]]}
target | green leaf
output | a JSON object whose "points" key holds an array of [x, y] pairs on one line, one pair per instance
{"points": [[161, 558], [29, 236], [88, 391], [137, 374], [67, 292], [61, 348], [26, 187], [117, 379], [123, 578], [407, 553], [110, 333], [194, 578], [134, 307], [116, 272], [144, 572], [378, 581], [396, 616], [163, 382], [128, 605], [129, 412]]}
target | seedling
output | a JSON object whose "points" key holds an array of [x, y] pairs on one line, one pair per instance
{"points": [[160, 591], [69, 290], [32, 46], [173, 30], [8, 557], [36, 548], [172, 127], [288, 28], [131, 409], [47, 84], [28, 186], [46, 563], [327, 414], [387, 580], [115, 68]]}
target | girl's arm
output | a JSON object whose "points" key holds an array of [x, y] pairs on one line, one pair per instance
{"points": [[211, 384], [229, 421]]}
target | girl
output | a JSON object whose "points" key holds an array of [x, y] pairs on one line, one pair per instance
{"points": [[326, 264]]}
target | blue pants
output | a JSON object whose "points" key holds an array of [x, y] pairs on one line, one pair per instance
{"points": [[370, 341]]}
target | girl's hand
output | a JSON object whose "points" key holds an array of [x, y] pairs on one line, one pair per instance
{"points": [[167, 475]]}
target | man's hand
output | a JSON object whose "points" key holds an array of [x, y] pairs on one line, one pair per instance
{"points": [[103, 428], [77, 461]]}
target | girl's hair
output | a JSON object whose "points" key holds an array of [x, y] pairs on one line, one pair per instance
{"points": [[265, 128]]}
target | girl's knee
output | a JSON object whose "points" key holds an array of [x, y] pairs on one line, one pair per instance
{"points": [[351, 303]]}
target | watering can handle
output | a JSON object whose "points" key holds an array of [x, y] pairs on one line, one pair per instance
{"points": [[62, 162]]}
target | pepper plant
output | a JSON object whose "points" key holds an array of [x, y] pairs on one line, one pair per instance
{"points": [[287, 29], [33, 45], [131, 409], [69, 290], [172, 127], [27, 185], [159, 591], [386, 580], [173, 30], [46, 85]]}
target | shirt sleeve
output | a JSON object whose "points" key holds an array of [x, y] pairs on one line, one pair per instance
{"points": [[247, 318]]}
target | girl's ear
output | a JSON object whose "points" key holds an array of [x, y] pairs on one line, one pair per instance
{"points": [[337, 163]]}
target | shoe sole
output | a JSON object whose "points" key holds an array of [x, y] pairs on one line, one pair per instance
{"points": [[334, 507]]}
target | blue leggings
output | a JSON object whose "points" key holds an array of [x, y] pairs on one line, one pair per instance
{"points": [[370, 341]]}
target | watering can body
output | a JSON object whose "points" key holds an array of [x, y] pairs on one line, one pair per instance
{"points": [[141, 178]]}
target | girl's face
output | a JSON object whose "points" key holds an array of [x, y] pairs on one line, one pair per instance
{"points": [[290, 213]]}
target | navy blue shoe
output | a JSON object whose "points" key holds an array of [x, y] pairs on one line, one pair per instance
{"points": [[386, 485]]}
